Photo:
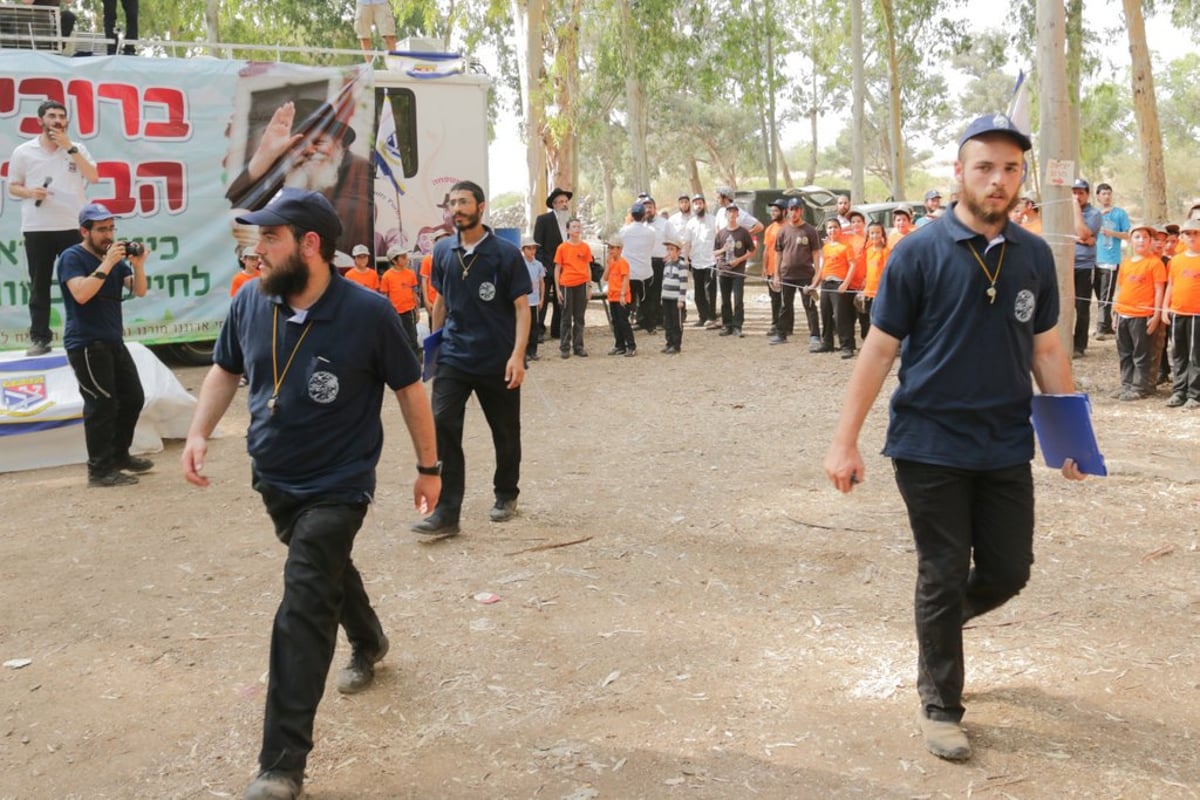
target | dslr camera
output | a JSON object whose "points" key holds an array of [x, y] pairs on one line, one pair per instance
{"points": [[133, 248]]}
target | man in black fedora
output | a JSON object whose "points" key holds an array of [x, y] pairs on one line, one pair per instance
{"points": [[550, 230]]}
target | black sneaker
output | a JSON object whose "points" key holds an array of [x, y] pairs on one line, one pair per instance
{"points": [[617, 351], [631, 352], [738, 333], [581, 353], [134, 464], [777, 339], [38, 349], [275, 784], [360, 672], [725, 332], [114, 478], [1176, 401], [503, 511], [436, 524]]}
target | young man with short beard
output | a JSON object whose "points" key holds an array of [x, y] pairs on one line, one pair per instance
{"points": [[974, 301], [318, 353]]}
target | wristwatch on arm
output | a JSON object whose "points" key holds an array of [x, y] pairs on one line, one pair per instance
{"points": [[435, 469]]}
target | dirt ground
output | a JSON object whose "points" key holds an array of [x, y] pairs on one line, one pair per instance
{"points": [[729, 627]]}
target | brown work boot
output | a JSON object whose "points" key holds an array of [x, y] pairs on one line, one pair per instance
{"points": [[943, 738]]}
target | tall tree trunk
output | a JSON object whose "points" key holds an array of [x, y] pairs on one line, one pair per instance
{"points": [[694, 176], [606, 180], [635, 102], [567, 173], [857, 181], [212, 22], [895, 140], [783, 165], [1074, 70], [772, 141], [1145, 108], [529, 21], [1054, 145]]}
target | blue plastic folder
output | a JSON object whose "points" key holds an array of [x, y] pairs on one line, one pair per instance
{"points": [[1063, 423], [432, 346]]}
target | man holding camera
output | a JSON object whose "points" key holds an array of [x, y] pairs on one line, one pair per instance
{"points": [[49, 174], [93, 276]]}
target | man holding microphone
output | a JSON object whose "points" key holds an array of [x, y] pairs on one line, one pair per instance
{"points": [[48, 173]]}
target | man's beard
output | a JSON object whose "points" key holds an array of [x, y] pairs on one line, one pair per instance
{"points": [[985, 216], [562, 215], [699, 211], [285, 279], [470, 221], [317, 173]]}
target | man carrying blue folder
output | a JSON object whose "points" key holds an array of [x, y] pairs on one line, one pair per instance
{"points": [[971, 306]]}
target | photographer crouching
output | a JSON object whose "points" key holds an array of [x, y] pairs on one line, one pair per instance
{"points": [[94, 275]]}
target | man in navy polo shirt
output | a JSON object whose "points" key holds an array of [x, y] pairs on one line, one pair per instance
{"points": [[317, 352], [94, 275], [971, 307], [482, 310]]}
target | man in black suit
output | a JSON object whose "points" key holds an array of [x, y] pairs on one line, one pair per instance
{"points": [[550, 230]]}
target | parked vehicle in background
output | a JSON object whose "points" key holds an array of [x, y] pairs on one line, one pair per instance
{"points": [[819, 203], [882, 212]]}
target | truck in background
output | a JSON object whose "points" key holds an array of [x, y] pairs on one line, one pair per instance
{"points": [[174, 143]]}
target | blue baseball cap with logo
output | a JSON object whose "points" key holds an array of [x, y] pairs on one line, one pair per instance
{"points": [[94, 212], [995, 123], [310, 211]]}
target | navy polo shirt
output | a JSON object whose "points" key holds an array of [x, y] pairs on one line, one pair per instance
{"points": [[1085, 254], [478, 290], [965, 381], [325, 436], [99, 319]]}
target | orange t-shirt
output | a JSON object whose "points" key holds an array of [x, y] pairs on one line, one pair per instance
{"points": [[575, 259], [770, 258], [618, 281], [1135, 286], [835, 261], [894, 237], [238, 280], [1185, 284], [1180, 247], [400, 286], [365, 277], [431, 294], [876, 263], [858, 256], [1033, 225]]}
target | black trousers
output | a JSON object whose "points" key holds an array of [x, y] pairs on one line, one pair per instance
{"points": [[705, 281], [672, 318], [776, 306], [130, 7], [321, 589], [532, 345], [622, 330], [548, 302], [42, 248], [574, 300], [957, 515], [1134, 354], [502, 409], [1104, 283], [733, 314], [837, 312], [1083, 307], [649, 312], [1185, 355], [408, 321], [112, 401]]}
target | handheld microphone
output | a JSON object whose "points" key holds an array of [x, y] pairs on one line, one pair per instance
{"points": [[49, 180]]}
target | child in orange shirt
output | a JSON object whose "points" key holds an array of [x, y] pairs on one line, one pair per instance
{"points": [[1138, 302], [902, 219], [616, 273], [877, 255], [363, 272], [856, 238], [573, 282], [399, 284], [249, 261], [837, 305], [1181, 308]]}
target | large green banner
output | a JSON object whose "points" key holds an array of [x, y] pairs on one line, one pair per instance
{"points": [[182, 145]]}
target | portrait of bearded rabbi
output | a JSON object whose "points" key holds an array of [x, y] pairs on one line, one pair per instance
{"points": [[326, 165]]}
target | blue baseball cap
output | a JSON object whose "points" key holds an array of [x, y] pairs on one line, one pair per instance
{"points": [[995, 123], [1081, 183], [795, 202], [310, 211], [94, 212]]}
